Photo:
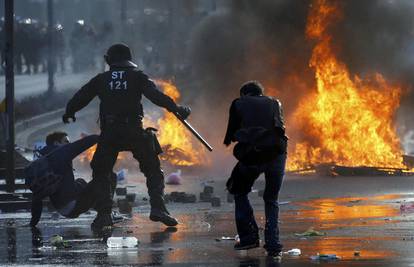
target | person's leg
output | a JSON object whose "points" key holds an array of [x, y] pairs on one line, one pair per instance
{"points": [[274, 177], [245, 222], [247, 229], [86, 199], [102, 164], [150, 165]]}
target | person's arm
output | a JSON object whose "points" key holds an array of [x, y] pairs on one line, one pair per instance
{"points": [[71, 150], [36, 210], [279, 118], [150, 91], [233, 125], [83, 97]]}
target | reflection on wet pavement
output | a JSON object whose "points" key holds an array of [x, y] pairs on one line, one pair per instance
{"points": [[371, 225]]}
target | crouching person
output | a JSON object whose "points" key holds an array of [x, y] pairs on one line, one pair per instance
{"points": [[52, 176], [256, 124]]}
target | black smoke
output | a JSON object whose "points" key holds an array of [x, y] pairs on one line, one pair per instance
{"points": [[265, 40]]}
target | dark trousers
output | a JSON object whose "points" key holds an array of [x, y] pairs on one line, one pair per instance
{"points": [[88, 197], [117, 137], [243, 178]]}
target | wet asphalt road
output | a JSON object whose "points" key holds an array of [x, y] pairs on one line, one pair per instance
{"points": [[356, 214]]}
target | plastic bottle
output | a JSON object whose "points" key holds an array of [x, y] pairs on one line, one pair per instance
{"points": [[122, 242], [294, 252]]}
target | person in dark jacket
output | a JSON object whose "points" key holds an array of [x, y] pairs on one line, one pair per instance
{"points": [[73, 196], [256, 124], [120, 91]]}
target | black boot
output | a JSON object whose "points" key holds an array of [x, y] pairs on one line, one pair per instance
{"points": [[159, 212], [162, 216], [102, 221]]}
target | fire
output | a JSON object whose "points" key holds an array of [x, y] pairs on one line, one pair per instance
{"points": [[175, 139], [347, 121], [87, 156]]}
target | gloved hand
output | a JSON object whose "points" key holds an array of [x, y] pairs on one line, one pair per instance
{"points": [[66, 117], [183, 111]]}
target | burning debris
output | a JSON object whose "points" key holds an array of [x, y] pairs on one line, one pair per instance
{"points": [[175, 140], [347, 120]]}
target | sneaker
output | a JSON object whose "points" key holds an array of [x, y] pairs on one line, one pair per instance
{"points": [[164, 217], [117, 218], [276, 255], [244, 245], [102, 221]]}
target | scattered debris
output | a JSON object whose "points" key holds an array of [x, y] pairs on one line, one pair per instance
{"points": [[121, 175], [357, 253], [181, 197], [144, 199], [228, 238], [124, 206], [174, 178], [355, 201], [121, 191], [47, 248], [58, 242], [208, 189], [36, 259], [407, 207], [205, 197], [130, 197], [311, 232], [294, 252], [325, 257], [122, 242], [129, 231], [215, 202]]}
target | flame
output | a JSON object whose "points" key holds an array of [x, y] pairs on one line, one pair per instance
{"points": [[175, 139], [347, 121]]}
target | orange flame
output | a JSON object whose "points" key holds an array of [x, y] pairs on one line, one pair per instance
{"points": [[348, 120], [177, 141]]}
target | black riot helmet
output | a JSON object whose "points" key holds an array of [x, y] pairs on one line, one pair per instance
{"points": [[119, 54]]}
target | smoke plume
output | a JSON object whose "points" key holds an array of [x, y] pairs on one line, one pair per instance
{"points": [[265, 40]]}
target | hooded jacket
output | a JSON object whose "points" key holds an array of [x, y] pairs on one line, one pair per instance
{"points": [[60, 160]]}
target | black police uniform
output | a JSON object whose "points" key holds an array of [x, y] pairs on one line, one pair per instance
{"points": [[120, 91]]}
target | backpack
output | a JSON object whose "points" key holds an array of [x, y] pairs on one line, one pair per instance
{"points": [[41, 179], [257, 145]]}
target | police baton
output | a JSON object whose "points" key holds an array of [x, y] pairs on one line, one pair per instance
{"points": [[193, 131]]}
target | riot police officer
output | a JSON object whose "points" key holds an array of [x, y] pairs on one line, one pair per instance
{"points": [[120, 91], [256, 124]]}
